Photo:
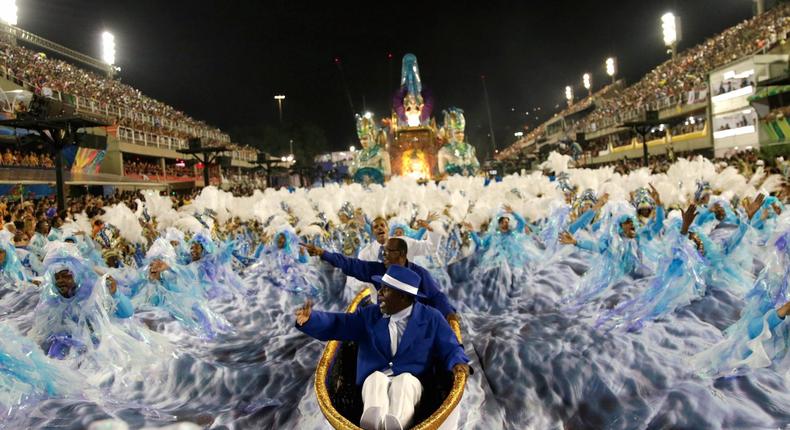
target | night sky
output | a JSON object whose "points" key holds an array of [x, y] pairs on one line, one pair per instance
{"points": [[223, 61]]}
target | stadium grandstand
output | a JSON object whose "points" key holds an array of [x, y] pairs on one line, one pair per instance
{"points": [[719, 98], [143, 134]]}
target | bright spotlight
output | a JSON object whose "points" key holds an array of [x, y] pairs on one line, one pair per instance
{"points": [[569, 93], [108, 48], [587, 81], [669, 27], [610, 67], [8, 11]]}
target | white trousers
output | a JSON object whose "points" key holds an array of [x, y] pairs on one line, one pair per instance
{"points": [[395, 395]]}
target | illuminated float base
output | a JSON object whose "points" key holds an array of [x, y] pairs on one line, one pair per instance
{"points": [[413, 152]]}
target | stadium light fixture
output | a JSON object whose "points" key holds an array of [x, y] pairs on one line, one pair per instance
{"points": [[108, 48], [611, 68], [587, 81], [352, 148], [518, 134], [670, 27], [8, 12], [569, 95]]}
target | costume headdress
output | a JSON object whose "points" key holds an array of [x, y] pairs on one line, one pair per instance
{"points": [[366, 127], [454, 120]]}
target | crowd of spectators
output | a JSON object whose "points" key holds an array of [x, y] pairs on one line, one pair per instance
{"points": [[150, 169], [126, 105], [675, 78], [141, 168], [672, 82], [18, 158]]}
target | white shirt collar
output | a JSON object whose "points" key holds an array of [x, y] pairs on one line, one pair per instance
{"points": [[402, 315]]}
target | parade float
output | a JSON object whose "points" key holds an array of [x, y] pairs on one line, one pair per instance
{"points": [[412, 144]]}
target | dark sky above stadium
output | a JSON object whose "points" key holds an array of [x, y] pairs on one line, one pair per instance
{"points": [[223, 61]]}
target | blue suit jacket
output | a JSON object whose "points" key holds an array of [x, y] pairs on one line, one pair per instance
{"points": [[426, 339], [365, 270]]}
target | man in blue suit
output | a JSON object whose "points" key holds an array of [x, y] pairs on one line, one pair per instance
{"points": [[395, 252], [398, 342]]}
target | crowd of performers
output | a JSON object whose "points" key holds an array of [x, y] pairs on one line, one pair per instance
{"points": [[673, 237]]}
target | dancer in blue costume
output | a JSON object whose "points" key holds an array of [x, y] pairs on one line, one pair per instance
{"points": [[505, 255], [651, 215], [680, 279], [729, 265], [706, 205], [174, 288], [40, 239], [352, 232], [177, 240], [29, 260], [86, 246], [759, 338], [649, 211], [560, 212], [66, 317], [284, 266], [400, 228], [56, 229], [12, 273], [76, 318], [765, 219], [618, 256], [243, 252], [587, 212], [213, 268]]}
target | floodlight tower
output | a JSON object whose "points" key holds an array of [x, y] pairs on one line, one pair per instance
{"points": [[670, 27], [8, 19], [8, 12], [611, 69], [569, 95], [108, 52], [587, 81]]}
